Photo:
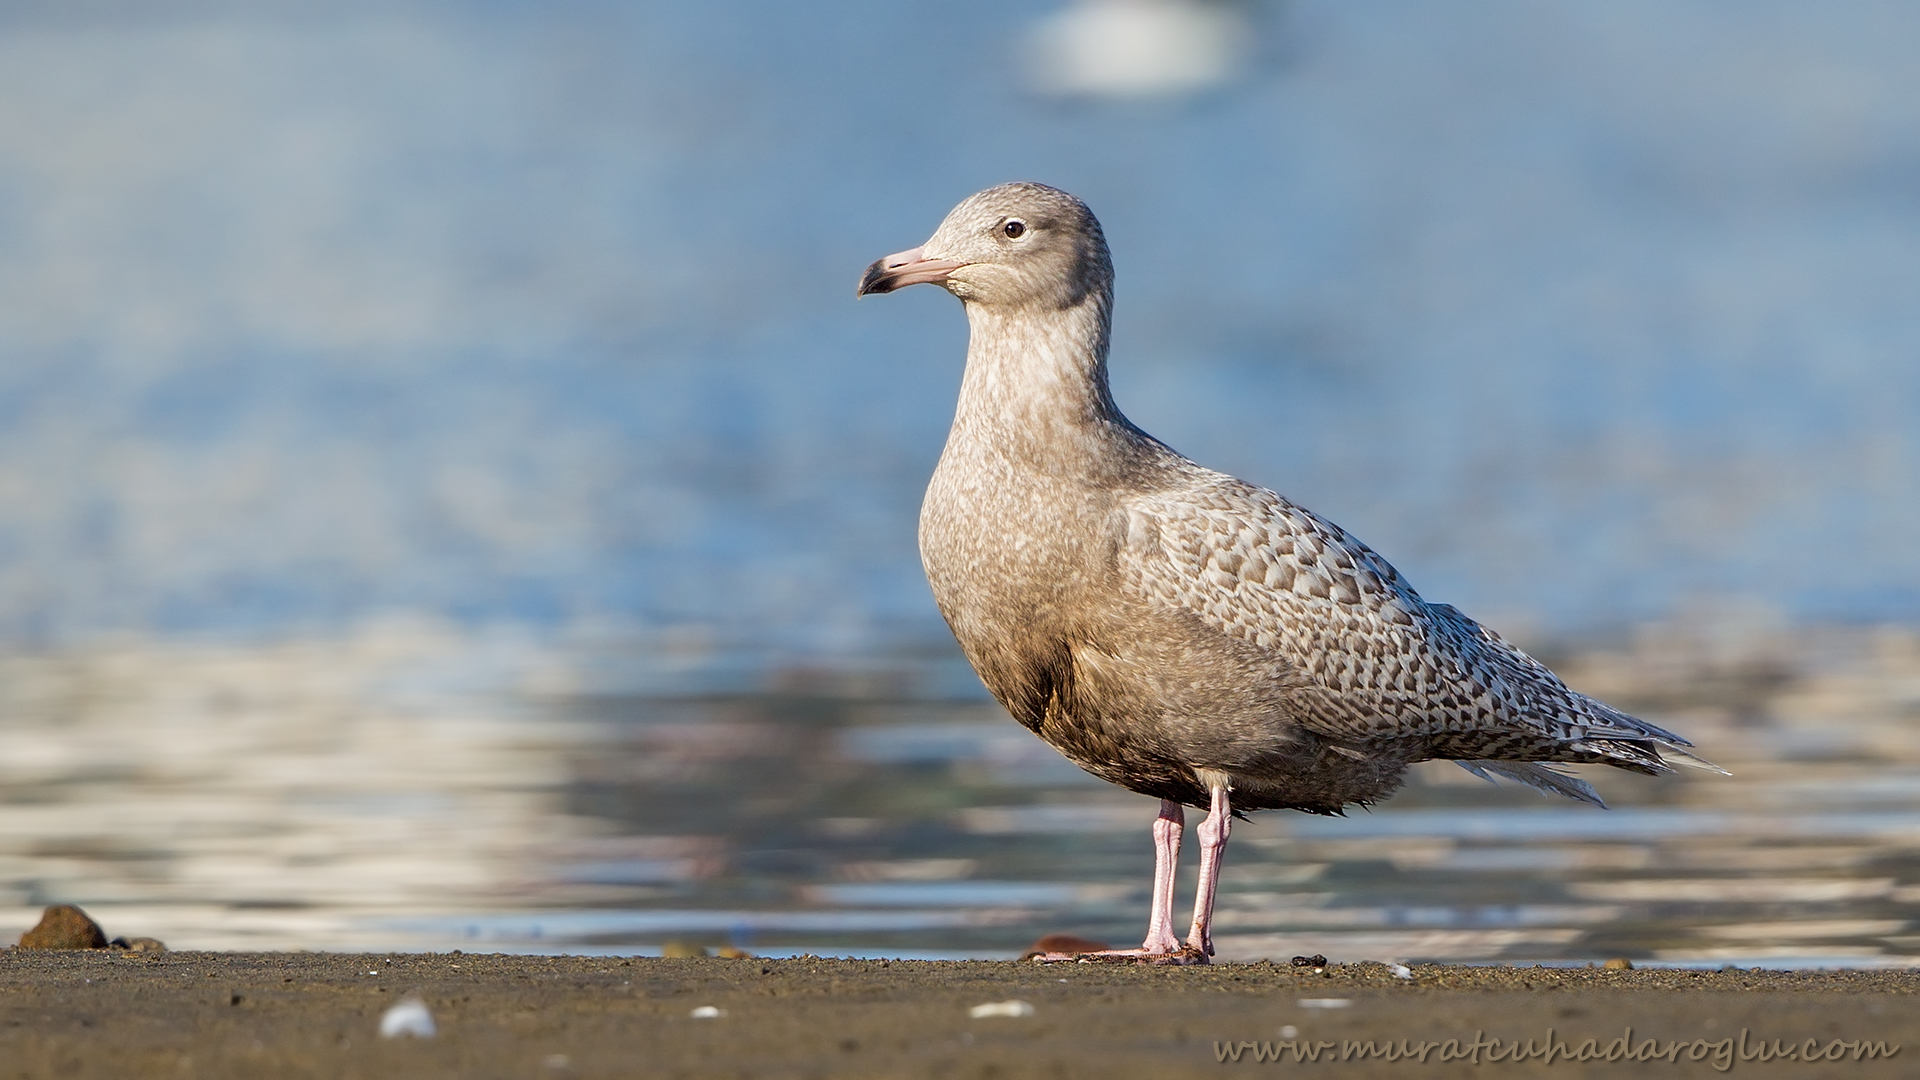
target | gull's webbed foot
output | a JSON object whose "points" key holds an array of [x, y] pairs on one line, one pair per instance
{"points": [[1180, 957]]}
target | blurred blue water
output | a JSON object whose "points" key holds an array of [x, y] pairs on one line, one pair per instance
{"points": [[540, 313]]}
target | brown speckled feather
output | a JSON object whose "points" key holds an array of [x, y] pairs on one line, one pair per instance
{"points": [[1376, 663]]}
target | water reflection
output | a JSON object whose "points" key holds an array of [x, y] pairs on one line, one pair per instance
{"points": [[418, 788]]}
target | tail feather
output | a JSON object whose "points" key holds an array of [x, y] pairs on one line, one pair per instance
{"points": [[1654, 745], [1536, 776], [1675, 755]]}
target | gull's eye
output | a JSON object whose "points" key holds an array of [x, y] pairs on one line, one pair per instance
{"points": [[1015, 229]]}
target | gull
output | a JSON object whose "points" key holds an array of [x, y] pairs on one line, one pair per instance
{"points": [[1172, 629]]}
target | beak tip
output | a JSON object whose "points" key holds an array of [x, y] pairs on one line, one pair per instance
{"points": [[874, 280]]}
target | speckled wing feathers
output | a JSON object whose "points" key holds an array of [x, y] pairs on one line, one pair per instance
{"points": [[1374, 663]]}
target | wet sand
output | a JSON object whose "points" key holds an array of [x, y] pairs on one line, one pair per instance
{"points": [[109, 1014]]}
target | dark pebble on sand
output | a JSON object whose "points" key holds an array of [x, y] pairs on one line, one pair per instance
{"points": [[64, 926]]}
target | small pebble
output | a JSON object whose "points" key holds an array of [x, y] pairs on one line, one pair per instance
{"points": [[1400, 971], [1288, 1031], [1014, 1008], [1314, 961], [409, 1016], [708, 1012], [1618, 963], [1325, 1003]]}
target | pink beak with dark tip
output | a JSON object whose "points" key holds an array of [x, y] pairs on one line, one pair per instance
{"points": [[907, 268]]}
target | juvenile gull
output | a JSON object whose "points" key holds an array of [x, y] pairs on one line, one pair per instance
{"points": [[1172, 629]]}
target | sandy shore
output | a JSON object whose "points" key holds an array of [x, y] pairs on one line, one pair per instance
{"points": [[106, 1014]]}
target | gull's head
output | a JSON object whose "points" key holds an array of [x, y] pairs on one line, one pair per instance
{"points": [[1016, 245]]}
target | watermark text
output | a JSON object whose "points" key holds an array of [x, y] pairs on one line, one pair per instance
{"points": [[1721, 1054]]}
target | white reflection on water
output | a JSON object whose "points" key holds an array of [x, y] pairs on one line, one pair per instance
{"points": [[414, 787]]}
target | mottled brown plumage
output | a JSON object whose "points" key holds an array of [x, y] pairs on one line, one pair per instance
{"points": [[1172, 629]]}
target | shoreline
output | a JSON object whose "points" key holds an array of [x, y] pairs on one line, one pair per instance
{"points": [[119, 1014]]}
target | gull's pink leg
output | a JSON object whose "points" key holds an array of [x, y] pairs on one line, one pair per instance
{"points": [[1161, 947], [1213, 844], [1166, 861]]}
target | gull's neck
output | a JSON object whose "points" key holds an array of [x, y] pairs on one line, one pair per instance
{"points": [[1036, 383]]}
